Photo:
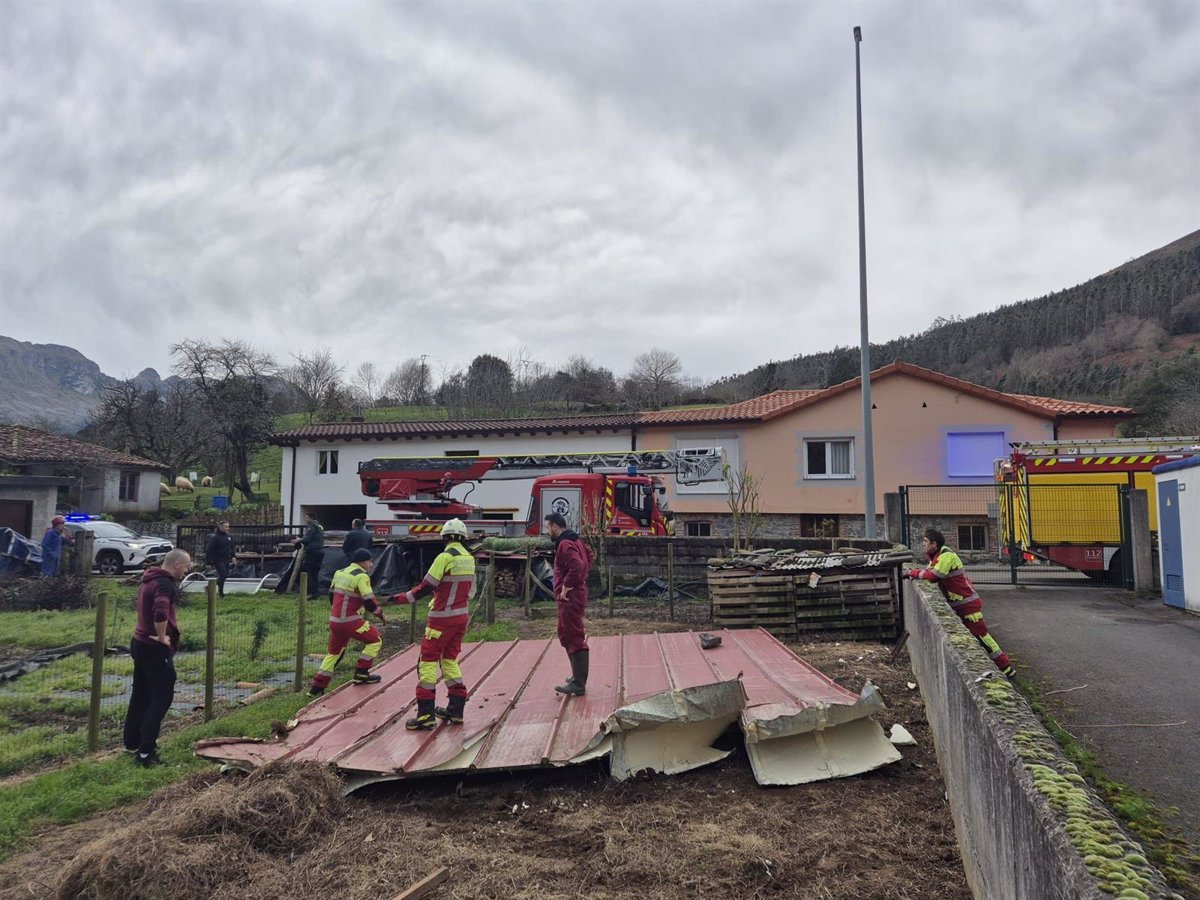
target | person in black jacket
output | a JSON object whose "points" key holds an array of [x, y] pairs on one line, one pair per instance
{"points": [[313, 543], [358, 538], [219, 554]]}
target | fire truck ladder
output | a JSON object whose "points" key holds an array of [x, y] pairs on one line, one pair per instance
{"points": [[1111, 447], [692, 465]]}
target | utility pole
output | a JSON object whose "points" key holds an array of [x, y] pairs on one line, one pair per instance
{"points": [[864, 341]]}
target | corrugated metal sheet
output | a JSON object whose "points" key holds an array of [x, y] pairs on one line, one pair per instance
{"points": [[654, 700]]}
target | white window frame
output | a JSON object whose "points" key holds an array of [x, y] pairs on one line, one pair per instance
{"points": [[971, 526], [827, 441], [327, 462], [688, 526]]}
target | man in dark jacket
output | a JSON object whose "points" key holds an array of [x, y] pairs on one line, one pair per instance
{"points": [[313, 543], [358, 538], [219, 554], [155, 640], [572, 562], [52, 543]]}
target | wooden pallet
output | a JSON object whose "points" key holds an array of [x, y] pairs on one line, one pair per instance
{"points": [[854, 605]]}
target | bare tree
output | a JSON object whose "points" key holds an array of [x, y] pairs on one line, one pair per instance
{"points": [[231, 383], [741, 490], [314, 378], [366, 383], [408, 383], [166, 424], [655, 375]]}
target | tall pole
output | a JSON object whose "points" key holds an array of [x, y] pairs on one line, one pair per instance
{"points": [[864, 341]]}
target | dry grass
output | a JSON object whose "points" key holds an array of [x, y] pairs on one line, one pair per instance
{"points": [[543, 834]]}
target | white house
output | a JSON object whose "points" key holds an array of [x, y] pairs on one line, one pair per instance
{"points": [[102, 480], [320, 462]]}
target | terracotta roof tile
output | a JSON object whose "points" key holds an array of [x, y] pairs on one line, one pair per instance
{"points": [[1075, 407], [23, 446]]}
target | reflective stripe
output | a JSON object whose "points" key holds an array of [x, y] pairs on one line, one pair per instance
{"points": [[447, 613], [954, 603], [341, 619]]}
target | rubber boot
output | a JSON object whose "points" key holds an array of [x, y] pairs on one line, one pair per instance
{"points": [[452, 712], [579, 675], [366, 676], [424, 719]]}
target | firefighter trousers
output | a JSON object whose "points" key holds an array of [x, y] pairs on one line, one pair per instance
{"points": [[439, 651], [341, 634], [972, 616]]}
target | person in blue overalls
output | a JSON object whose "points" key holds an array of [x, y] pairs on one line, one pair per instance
{"points": [[52, 544]]}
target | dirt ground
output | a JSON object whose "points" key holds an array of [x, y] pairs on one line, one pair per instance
{"points": [[712, 832]]}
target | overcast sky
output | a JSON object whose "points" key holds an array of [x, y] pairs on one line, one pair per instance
{"points": [[562, 178]]}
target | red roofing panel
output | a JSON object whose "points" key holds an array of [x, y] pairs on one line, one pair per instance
{"points": [[515, 718]]}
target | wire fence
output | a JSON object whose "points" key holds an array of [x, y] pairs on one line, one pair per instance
{"points": [[66, 675]]}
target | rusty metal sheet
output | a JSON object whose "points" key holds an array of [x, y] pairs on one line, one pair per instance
{"points": [[643, 691]]}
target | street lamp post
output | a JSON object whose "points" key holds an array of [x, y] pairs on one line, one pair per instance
{"points": [[864, 342]]}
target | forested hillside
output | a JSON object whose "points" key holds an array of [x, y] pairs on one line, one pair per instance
{"points": [[1120, 337]]}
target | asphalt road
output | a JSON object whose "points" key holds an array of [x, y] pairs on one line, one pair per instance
{"points": [[1140, 662]]}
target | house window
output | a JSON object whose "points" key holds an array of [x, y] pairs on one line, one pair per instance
{"points": [[462, 452], [829, 458], [818, 526], [973, 454], [128, 489], [972, 537], [327, 462], [699, 529]]}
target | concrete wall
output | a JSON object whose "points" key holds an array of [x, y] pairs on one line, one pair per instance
{"points": [[102, 492], [1010, 787], [44, 500]]}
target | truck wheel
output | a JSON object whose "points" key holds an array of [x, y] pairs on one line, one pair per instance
{"points": [[109, 563], [1116, 569]]}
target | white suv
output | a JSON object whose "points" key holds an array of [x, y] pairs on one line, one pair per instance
{"points": [[116, 548]]}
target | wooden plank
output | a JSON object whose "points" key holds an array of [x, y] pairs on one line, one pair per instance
{"points": [[423, 887]]}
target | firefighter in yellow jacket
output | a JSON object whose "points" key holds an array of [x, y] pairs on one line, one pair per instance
{"points": [[451, 578], [352, 592]]}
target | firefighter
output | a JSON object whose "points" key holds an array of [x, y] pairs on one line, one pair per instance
{"points": [[451, 578], [946, 569], [351, 592], [572, 561]]}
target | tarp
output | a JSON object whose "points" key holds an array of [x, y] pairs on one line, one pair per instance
{"points": [[655, 702]]}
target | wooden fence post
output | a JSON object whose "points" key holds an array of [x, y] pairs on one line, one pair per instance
{"points": [[671, 576], [490, 596], [97, 671], [210, 650], [528, 579], [301, 632]]}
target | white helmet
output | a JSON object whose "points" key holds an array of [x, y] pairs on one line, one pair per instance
{"points": [[454, 527]]}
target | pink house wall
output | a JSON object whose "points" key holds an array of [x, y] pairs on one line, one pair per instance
{"points": [[911, 422]]}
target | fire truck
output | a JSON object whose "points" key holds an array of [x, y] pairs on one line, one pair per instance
{"points": [[619, 493], [616, 493], [1052, 504]]}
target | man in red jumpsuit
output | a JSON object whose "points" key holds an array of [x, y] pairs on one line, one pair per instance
{"points": [[572, 562], [946, 570]]}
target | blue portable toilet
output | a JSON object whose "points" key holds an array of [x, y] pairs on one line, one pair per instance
{"points": [[1177, 484], [219, 502]]}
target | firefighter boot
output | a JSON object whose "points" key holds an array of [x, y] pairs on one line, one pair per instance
{"points": [[366, 676], [452, 712], [425, 718], [579, 675]]}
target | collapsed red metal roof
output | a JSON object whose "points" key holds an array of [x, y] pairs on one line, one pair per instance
{"points": [[654, 701]]}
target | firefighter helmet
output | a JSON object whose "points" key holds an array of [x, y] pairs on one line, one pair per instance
{"points": [[454, 527]]}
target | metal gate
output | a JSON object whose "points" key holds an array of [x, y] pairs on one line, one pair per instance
{"points": [[1061, 534]]}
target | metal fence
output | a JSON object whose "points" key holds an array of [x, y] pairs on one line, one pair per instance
{"points": [[66, 682], [1061, 534], [267, 547]]}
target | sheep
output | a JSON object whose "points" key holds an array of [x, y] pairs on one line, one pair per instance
{"points": [[163, 488], [183, 485], [206, 481]]}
